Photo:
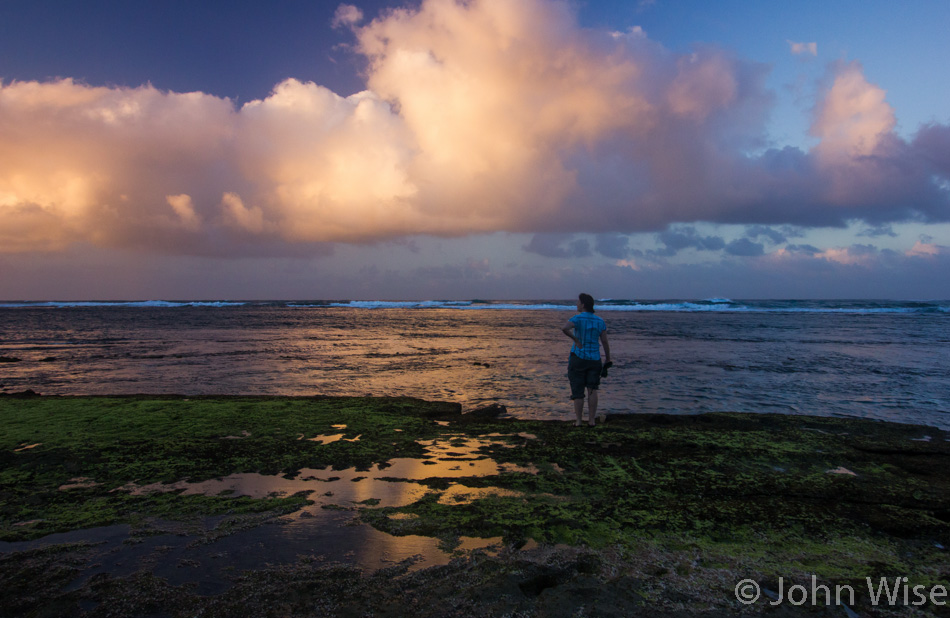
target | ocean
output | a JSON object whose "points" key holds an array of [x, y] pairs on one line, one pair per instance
{"points": [[886, 360]]}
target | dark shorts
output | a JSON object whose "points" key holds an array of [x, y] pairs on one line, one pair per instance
{"points": [[583, 374]]}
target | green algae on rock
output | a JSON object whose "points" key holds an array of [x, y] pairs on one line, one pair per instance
{"points": [[111, 442], [675, 501], [758, 487]]}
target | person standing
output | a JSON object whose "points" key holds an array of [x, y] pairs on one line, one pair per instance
{"points": [[588, 332]]}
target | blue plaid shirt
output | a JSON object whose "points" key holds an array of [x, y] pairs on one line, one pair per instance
{"points": [[587, 329]]}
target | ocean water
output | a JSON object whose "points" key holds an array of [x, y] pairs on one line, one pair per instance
{"points": [[886, 360]]}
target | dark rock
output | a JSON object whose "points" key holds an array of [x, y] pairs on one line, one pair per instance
{"points": [[9, 359], [490, 411], [49, 359], [539, 578], [27, 393], [586, 595], [439, 409]]}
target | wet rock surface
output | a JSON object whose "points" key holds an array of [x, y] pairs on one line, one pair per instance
{"points": [[27, 393], [490, 411], [418, 509]]}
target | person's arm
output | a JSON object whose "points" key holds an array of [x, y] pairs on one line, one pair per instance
{"points": [[568, 330], [606, 344]]}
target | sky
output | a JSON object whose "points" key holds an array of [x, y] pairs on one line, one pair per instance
{"points": [[449, 149]]}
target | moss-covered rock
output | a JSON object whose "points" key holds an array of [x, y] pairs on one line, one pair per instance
{"points": [[710, 498]]}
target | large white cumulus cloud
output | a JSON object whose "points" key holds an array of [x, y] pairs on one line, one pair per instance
{"points": [[96, 164], [478, 116]]}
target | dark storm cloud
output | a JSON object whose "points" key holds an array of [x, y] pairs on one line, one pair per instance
{"points": [[614, 246], [676, 239], [877, 231], [803, 249], [745, 248], [558, 246]]}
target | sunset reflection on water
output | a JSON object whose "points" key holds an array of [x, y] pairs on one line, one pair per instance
{"points": [[438, 354], [338, 495], [394, 483], [883, 366]]}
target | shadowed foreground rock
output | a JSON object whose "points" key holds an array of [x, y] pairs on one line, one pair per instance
{"points": [[647, 515]]}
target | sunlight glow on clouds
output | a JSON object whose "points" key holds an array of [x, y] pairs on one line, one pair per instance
{"points": [[922, 249], [483, 116], [185, 210], [853, 119], [862, 255]]}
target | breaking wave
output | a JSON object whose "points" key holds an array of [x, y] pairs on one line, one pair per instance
{"points": [[714, 304]]}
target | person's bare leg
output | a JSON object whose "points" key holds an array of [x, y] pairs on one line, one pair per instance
{"points": [[579, 411], [591, 406]]}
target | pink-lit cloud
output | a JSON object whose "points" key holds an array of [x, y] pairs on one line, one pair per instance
{"points": [[347, 15], [926, 250], [478, 116], [803, 49], [853, 120], [862, 255]]}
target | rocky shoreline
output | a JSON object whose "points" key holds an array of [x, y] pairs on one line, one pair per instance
{"points": [[220, 506]]}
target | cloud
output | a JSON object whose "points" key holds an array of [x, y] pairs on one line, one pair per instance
{"points": [[854, 120], [612, 245], [923, 249], [800, 49], [878, 230], [109, 166], [744, 247], [240, 216], [773, 236], [553, 245], [347, 16], [471, 269], [675, 240], [855, 255], [185, 210], [478, 117], [799, 249]]}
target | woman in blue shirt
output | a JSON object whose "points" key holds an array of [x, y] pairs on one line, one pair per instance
{"points": [[588, 331]]}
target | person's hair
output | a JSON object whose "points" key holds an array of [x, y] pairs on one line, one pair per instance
{"points": [[588, 301]]}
